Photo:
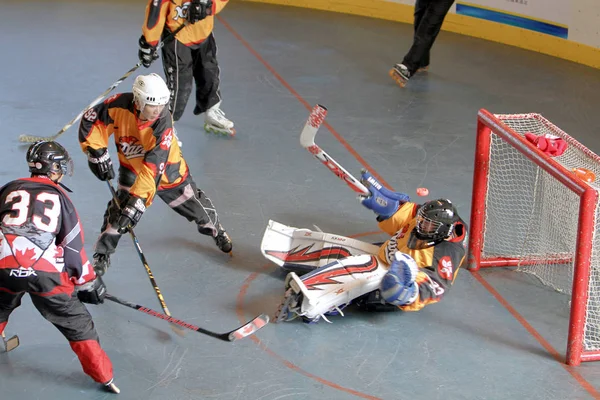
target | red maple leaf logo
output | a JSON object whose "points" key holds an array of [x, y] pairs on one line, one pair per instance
{"points": [[25, 258]]}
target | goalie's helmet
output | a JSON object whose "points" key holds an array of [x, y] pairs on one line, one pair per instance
{"points": [[45, 158], [150, 90], [435, 223]]}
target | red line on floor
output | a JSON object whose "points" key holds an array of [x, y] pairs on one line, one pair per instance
{"points": [[586, 385], [301, 100], [241, 317], [557, 356]]}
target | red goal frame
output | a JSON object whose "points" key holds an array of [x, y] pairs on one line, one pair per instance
{"points": [[488, 125]]}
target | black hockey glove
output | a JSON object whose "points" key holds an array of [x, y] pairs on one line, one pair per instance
{"points": [[92, 292], [131, 213], [198, 10], [100, 163], [147, 53]]}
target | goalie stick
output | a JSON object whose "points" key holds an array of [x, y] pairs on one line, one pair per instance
{"points": [[11, 343], [138, 248], [31, 139], [247, 329], [307, 140]]}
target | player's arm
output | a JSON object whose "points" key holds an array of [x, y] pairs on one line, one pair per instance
{"points": [[154, 21], [435, 280], [93, 139], [70, 239]]}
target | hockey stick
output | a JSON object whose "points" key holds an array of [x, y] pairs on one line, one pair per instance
{"points": [[307, 140], [239, 333], [30, 138], [10, 344], [138, 248]]}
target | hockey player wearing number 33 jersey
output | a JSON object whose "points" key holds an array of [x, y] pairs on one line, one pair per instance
{"points": [[412, 269], [150, 161], [41, 253]]}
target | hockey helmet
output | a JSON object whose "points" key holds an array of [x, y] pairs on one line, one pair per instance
{"points": [[150, 90], [46, 157], [434, 223]]}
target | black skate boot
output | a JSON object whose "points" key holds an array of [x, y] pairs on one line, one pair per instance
{"points": [[101, 263], [400, 74], [111, 387], [222, 239]]}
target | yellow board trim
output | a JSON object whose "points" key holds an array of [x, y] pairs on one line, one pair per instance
{"points": [[476, 27]]}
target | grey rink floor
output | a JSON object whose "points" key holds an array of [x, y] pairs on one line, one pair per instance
{"points": [[276, 62]]}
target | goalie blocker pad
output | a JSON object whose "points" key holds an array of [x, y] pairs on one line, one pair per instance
{"points": [[303, 250]]}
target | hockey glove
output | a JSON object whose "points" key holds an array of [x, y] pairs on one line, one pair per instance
{"points": [[380, 200], [100, 163], [131, 213], [198, 10], [398, 286], [147, 53], [92, 292]]}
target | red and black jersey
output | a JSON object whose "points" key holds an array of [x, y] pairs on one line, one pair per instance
{"points": [[40, 234], [438, 264], [147, 149], [170, 14]]}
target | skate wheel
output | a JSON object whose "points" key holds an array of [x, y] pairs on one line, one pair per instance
{"points": [[398, 79]]}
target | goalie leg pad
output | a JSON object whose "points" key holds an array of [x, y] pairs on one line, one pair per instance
{"points": [[330, 288]]}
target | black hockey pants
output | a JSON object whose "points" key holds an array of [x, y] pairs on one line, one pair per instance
{"points": [[185, 65], [429, 17], [185, 199]]}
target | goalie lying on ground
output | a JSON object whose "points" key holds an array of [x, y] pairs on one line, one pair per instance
{"points": [[412, 269]]}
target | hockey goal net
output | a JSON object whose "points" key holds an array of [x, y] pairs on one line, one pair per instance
{"points": [[531, 211]]}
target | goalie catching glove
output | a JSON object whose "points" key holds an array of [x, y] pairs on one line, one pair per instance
{"points": [[100, 163], [380, 200], [92, 292], [131, 213], [398, 286]]}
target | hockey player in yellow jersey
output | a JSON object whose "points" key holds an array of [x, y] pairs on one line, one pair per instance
{"points": [[150, 163], [191, 57]]}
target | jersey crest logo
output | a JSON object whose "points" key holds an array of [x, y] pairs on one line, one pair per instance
{"points": [[131, 147], [165, 144], [445, 268], [182, 11]]}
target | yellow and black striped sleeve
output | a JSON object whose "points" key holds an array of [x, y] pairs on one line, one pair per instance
{"points": [[155, 19]]}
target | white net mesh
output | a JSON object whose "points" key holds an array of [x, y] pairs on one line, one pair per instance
{"points": [[533, 217]]}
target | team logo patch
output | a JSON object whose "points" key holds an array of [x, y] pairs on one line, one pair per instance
{"points": [[131, 147], [445, 268], [165, 144]]}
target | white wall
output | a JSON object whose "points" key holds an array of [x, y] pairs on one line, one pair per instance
{"points": [[581, 16]]}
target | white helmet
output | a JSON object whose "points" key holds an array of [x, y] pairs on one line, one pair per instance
{"points": [[150, 89]]}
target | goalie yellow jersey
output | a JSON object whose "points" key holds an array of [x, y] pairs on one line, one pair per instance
{"points": [[438, 265], [171, 14], [149, 150]]}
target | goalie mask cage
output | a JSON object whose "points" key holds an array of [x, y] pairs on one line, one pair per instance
{"points": [[529, 210]]}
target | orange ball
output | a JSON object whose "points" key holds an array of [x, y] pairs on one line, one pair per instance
{"points": [[584, 174], [422, 191]]}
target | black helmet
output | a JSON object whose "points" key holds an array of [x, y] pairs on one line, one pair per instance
{"points": [[435, 223], [45, 158]]}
